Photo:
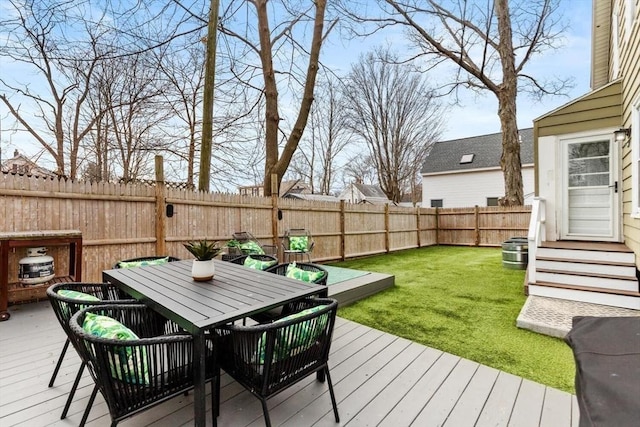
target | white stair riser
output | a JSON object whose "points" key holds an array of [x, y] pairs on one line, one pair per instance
{"points": [[595, 282], [610, 257], [611, 270], [622, 301]]}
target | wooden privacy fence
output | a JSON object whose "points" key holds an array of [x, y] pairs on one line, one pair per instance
{"points": [[121, 221]]}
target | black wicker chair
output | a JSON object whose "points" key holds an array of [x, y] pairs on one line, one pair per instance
{"points": [[260, 257], [243, 237], [64, 307], [281, 269], [158, 366], [297, 241], [145, 258], [267, 359]]}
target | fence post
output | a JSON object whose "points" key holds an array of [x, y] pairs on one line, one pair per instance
{"points": [[437, 227], [387, 243], [342, 231], [477, 225], [161, 238], [418, 225], [274, 223]]}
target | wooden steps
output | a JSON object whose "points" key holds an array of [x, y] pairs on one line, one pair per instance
{"points": [[594, 272]]}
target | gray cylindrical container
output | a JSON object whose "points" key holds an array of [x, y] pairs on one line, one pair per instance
{"points": [[515, 253]]}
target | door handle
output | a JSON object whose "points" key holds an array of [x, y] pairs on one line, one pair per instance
{"points": [[615, 187]]}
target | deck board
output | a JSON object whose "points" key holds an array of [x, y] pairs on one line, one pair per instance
{"points": [[379, 380]]}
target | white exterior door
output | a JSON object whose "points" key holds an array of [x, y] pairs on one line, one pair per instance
{"points": [[590, 189]]}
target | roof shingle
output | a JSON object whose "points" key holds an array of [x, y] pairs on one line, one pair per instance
{"points": [[445, 156]]}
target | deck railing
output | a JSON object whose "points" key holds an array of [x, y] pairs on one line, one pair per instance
{"points": [[537, 234]]}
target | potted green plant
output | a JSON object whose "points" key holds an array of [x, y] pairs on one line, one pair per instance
{"points": [[203, 266]]}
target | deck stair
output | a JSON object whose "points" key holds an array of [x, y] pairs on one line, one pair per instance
{"points": [[592, 272]]}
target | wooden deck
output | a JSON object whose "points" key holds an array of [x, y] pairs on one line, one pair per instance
{"points": [[349, 288], [379, 380]]}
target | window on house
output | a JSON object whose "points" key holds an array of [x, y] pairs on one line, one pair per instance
{"points": [[466, 158], [492, 201], [436, 203], [635, 158]]}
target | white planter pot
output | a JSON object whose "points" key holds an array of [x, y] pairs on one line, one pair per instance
{"points": [[202, 271]]}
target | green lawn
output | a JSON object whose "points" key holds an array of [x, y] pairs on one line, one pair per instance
{"points": [[462, 301]]}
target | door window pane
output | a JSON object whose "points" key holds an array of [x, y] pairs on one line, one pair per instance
{"points": [[589, 164]]}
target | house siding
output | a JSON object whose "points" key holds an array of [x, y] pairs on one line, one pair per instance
{"points": [[629, 38], [596, 110], [600, 43], [471, 188]]}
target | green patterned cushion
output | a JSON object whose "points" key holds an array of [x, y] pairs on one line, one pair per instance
{"points": [[256, 264], [290, 340], [130, 264], [304, 275], [298, 243], [81, 296], [129, 360], [251, 247]]}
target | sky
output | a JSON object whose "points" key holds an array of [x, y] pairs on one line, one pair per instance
{"points": [[475, 115]]}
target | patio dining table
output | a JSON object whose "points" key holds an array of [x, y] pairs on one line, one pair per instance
{"points": [[234, 293]]}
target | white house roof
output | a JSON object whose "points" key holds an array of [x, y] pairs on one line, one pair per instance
{"points": [[476, 152], [370, 191], [316, 197]]}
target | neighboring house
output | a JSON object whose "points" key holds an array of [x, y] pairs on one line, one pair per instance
{"points": [[314, 197], [361, 193], [296, 186], [585, 234], [408, 201], [466, 172], [22, 165], [252, 190]]}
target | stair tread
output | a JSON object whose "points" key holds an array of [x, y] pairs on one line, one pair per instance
{"points": [[583, 261], [586, 246], [587, 274], [587, 289]]}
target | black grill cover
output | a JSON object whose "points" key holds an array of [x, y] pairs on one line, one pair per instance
{"points": [[607, 355]]}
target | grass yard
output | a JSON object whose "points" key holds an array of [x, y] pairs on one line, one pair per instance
{"points": [[462, 301]]}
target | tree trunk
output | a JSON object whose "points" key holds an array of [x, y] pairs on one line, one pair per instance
{"points": [[507, 94], [273, 164], [272, 117], [207, 101]]}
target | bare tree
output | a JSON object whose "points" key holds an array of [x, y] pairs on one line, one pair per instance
{"points": [[184, 73], [360, 168], [37, 41], [328, 137], [98, 142], [137, 113], [391, 108], [490, 42], [279, 50]]}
